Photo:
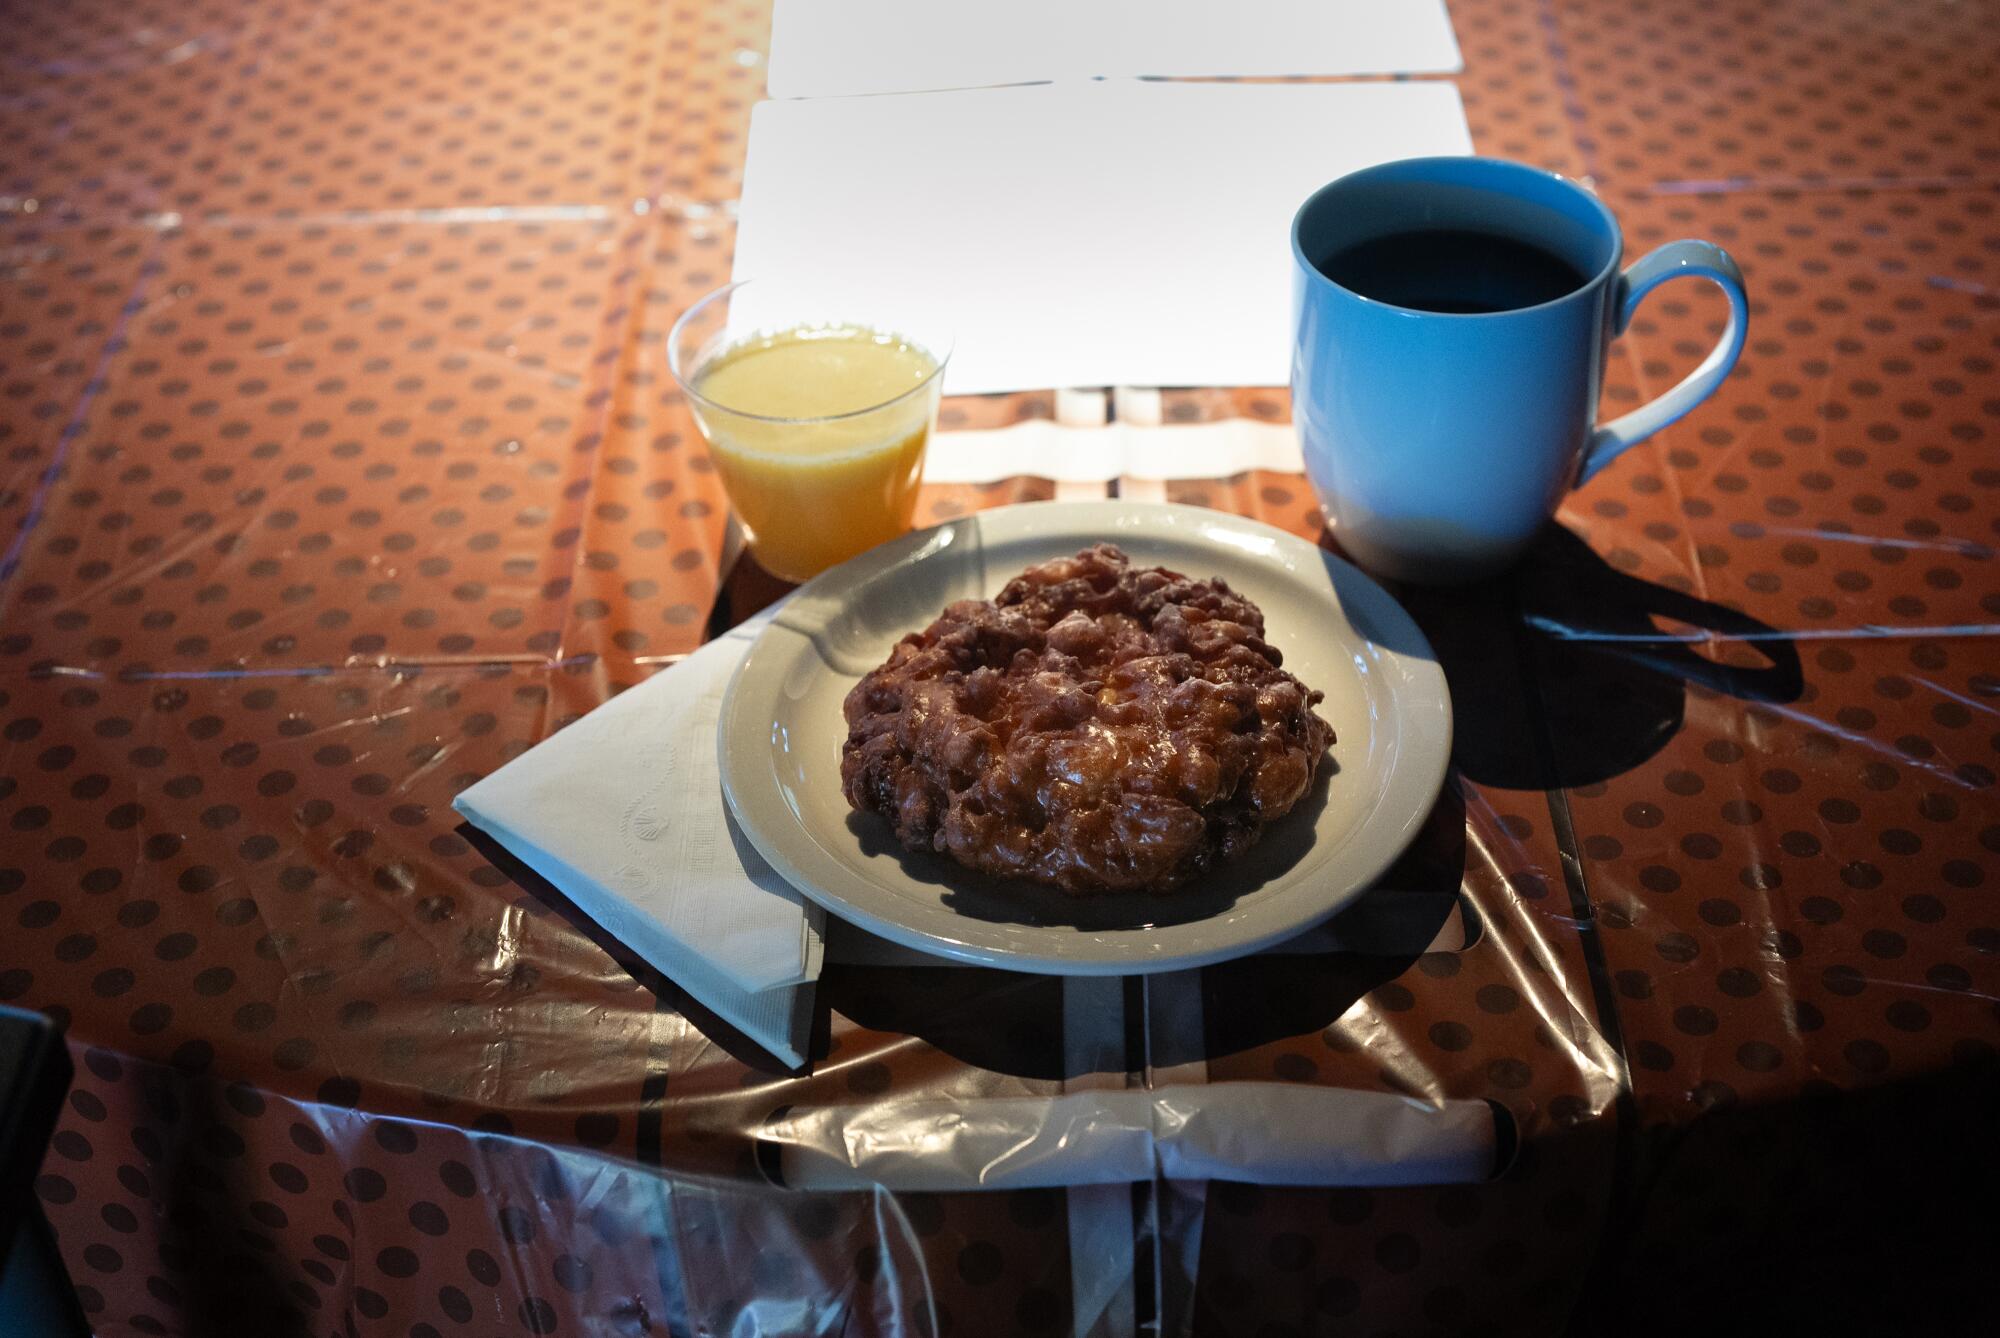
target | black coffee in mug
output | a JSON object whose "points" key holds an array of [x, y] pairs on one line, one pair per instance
{"points": [[1453, 271]]}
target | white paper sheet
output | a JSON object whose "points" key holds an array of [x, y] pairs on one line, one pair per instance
{"points": [[823, 47], [1038, 448], [1074, 235]]}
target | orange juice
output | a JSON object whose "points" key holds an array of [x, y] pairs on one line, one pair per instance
{"points": [[819, 434]]}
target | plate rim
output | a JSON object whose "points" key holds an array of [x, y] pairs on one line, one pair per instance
{"points": [[741, 770]]}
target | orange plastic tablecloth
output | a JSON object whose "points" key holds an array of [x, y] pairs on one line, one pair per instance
{"points": [[338, 464]]}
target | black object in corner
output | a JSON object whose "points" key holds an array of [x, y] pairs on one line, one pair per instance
{"points": [[36, 1299]]}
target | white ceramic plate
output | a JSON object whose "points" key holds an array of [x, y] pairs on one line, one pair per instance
{"points": [[782, 731]]}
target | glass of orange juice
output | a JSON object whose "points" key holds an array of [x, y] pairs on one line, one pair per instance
{"points": [[816, 411]]}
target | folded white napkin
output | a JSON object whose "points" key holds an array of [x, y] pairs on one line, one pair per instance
{"points": [[1262, 1133], [623, 812]]}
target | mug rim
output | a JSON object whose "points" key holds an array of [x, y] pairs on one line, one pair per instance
{"points": [[1505, 166]]}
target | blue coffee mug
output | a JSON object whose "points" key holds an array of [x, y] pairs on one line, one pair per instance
{"points": [[1439, 443]]}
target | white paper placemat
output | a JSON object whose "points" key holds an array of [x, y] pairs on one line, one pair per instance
{"points": [[823, 47], [1074, 235]]}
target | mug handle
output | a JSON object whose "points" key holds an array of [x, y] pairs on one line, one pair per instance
{"points": [[1674, 260]]}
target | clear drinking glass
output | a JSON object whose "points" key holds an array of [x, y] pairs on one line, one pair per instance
{"points": [[817, 410]]}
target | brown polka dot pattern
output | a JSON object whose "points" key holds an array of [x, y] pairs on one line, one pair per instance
{"points": [[1780, 94], [330, 375], [326, 1220], [1842, 477], [219, 109]]}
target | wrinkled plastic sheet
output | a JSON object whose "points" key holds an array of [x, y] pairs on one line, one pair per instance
{"points": [[337, 466]]}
